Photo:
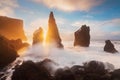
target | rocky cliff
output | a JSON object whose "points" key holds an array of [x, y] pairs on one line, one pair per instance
{"points": [[12, 28]]}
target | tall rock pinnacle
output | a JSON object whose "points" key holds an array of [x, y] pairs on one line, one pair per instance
{"points": [[53, 33]]}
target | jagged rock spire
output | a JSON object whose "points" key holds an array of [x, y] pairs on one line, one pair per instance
{"points": [[53, 33], [38, 36]]}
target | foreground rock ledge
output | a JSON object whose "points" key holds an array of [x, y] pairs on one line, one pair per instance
{"points": [[7, 52], [93, 70]]}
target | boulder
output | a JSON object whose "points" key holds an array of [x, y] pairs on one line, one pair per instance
{"points": [[95, 70], [12, 28], [38, 36], [78, 72], [53, 33], [64, 74], [109, 47], [31, 71], [82, 36], [115, 74], [7, 53]]}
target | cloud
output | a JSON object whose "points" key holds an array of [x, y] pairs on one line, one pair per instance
{"points": [[7, 7], [70, 5]]}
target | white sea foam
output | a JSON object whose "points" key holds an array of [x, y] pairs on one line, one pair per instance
{"points": [[70, 55]]}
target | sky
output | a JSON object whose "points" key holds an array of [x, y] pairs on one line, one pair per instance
{"points": [[102, 16]]}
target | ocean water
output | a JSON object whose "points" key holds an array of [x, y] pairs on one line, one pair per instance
{"points": [[69, 56]]}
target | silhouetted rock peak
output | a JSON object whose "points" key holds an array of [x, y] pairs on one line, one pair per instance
{"points": [[109, 47], [82, 36], [51, 15], [53, 33], [38, 36], [12, 28]]}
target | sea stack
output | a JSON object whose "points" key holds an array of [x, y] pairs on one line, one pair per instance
{"points": [[53, 33], [38, 36], [109, 47], [12, 28], [82, 36]]}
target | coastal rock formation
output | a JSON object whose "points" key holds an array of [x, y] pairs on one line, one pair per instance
{"points": [[14, 44], [82, 36], [109, 47], [31, 71], [64, 74], [38, 36], [53, 33], [7, 53], [12, 28], [116, 74], [18, 44], [93, 70]]}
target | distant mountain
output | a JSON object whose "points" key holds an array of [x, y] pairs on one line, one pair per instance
{"points": [[12, 28]]}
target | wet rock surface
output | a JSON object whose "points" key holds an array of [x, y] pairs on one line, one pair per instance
{"points": [[31, 71], [93, 70]]}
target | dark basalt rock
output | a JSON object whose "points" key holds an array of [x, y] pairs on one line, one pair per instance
{"points": [[64, 74], [93, 70], [7, 53], [38, 36], [82, 36], [31, 71], [116, 74], [95, 67], [109, 47], [78, 72], [53, 33]]}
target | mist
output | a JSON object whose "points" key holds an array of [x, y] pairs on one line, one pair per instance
{"points": [[70, 56]]}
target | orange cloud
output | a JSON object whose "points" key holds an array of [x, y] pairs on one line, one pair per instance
{"points": [[70, 5], [7, 7]]}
